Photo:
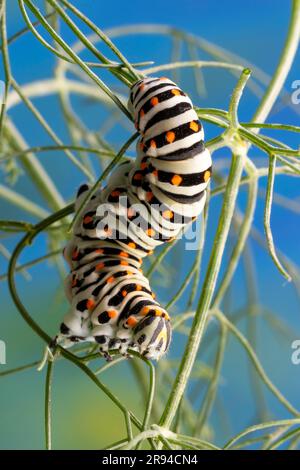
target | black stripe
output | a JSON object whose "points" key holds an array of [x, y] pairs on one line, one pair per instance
{"points": [[82, 189], [118, 298], [136, 84], [90, 284], [164, 96], [104, 256], [127, 310], [168, 113], [139, 83], [98, 289], [143, 323], [152, 89], [156, 332], [189, 179], [184, 153], [163, 207], [181, 132], [183, 199], [169, 335]]}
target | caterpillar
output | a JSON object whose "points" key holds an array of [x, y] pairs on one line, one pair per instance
{"points": [[145, 203]]}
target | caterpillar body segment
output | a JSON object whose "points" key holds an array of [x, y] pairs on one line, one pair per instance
{"points": [[145, 203]]}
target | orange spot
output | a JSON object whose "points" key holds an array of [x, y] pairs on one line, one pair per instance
{"points": [[110, 280], [140, 261], [138, 176], [87, 219], [176, 180], [112, 313], [150, 252], [138, 287], [154, 101], [164, 78], [132, 245], [145, 311], [131, 321], [158, 312], [115, 193], [124, 254], [142, 86], [149, 196], [155, 173], [75, 254], [99, 251], [150, 232], [153, 144], [194, 126], [100, 266], [142, 145], [167, 214], [142, 113], [129, 273], [90, 303], [206, 176], [175, 92], [170, 136], [124, 263], [124, 293], [153, 295], [143, 166], [130, 212]]}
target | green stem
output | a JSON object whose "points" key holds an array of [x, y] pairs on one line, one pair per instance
{"points": [[197, 329], [258, 427], [283, 439], [211, 393], [199, 322], [35, 261], [105, 173], [236, 96], [6, 66], [104, 38], [48, 404], [259, 368], [243, 234], [283, 67], [22, 202], [19, 369], [33, 167], [49, 130], [76, 58], [267, 218], [193, 64]]}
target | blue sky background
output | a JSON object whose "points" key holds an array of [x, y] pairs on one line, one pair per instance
{"points": [[256, 31]]}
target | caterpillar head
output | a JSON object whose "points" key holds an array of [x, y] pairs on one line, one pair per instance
{"points": [[153, 336]]}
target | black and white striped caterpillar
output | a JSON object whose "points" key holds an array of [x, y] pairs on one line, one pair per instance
{"points": [[146, 202]]}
